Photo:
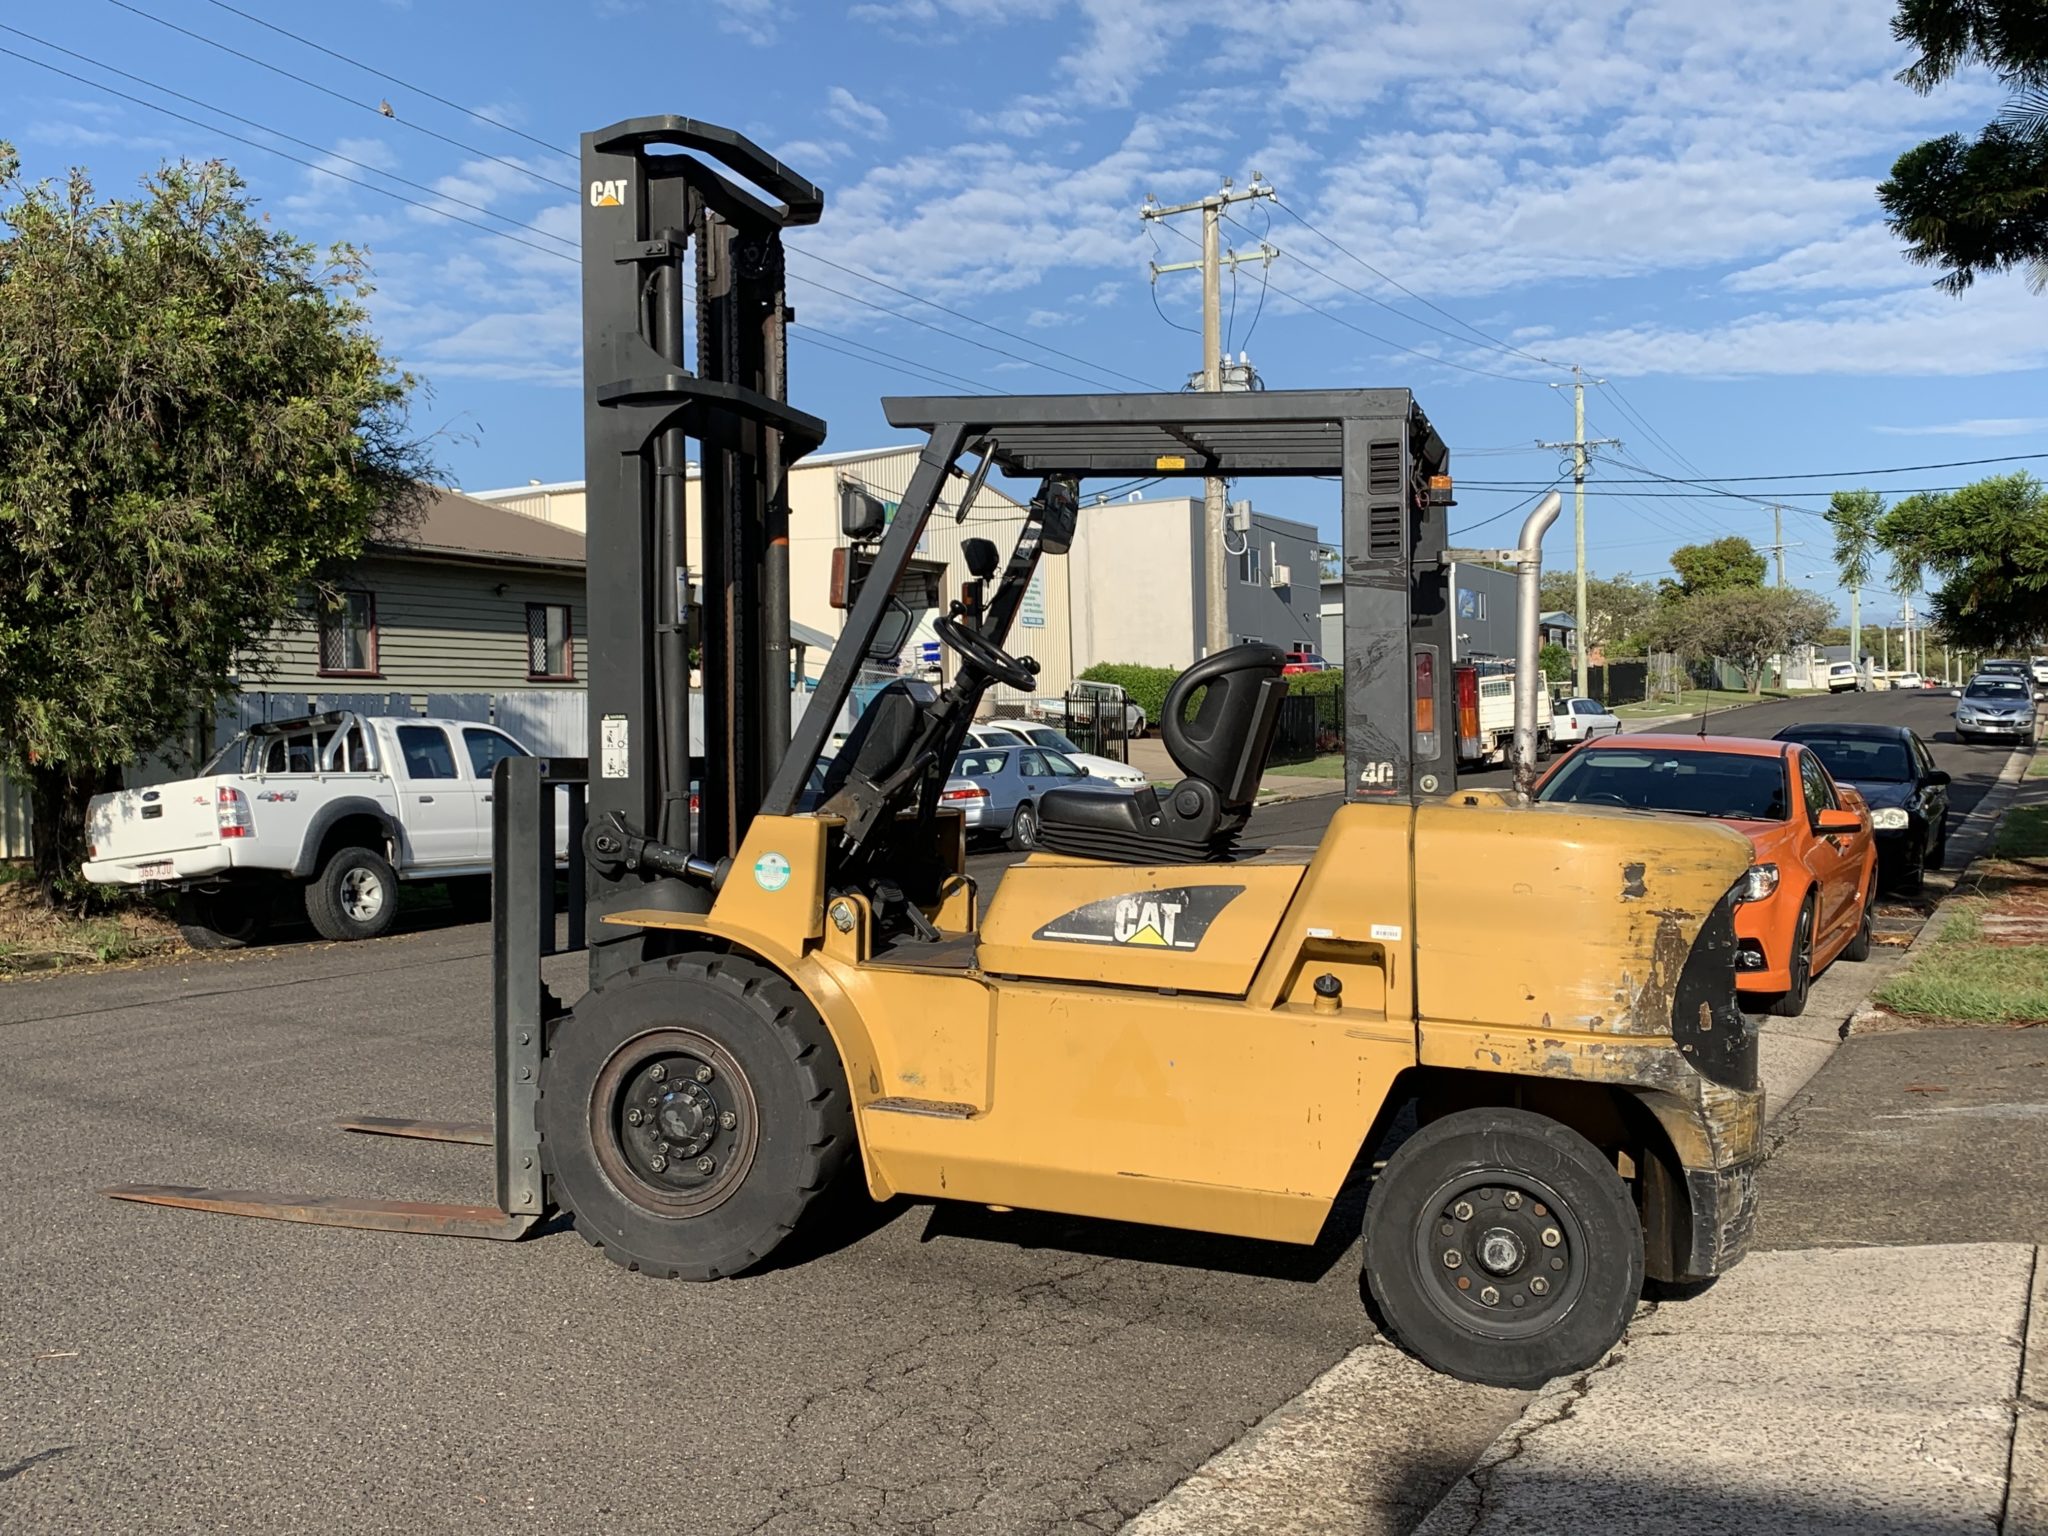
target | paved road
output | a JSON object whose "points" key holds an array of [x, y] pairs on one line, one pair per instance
{"points": [[939, 1370]]}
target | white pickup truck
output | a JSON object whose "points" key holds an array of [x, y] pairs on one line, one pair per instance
{"points": [[331, 812]]}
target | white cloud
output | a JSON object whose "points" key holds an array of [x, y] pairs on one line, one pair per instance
{"points": [[855, 115], [758, 21], [1867, 256], [1981, 426], [800, 154], [1024, 118], [1917, 333]]}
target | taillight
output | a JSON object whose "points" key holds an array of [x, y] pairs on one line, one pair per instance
{"points": [[1465, 681], [231, 810], [1425, 702], [977, 793]]}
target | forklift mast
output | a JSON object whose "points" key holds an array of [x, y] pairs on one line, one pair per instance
{"points": [[651, 205]]}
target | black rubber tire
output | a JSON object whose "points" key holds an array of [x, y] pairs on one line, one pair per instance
{"points": [[1913, 876], [803, 1138], [1792, 1003], [1858, 948], [1023, 834], [232, 918], [1592, 1202], [328, 904]]}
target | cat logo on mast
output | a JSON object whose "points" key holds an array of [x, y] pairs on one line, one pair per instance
{"points": [[608, 194]]}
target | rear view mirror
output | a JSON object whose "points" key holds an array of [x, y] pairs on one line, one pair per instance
{"points": [[1058, 505], [1938, 776]]}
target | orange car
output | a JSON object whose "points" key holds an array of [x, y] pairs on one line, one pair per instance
{"points": [[1806, 901]]}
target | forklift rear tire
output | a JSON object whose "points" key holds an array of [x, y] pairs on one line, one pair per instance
{"points": [[1503, 1248], [355, 896], [691, 1113]]}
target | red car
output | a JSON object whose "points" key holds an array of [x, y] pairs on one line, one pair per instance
{"points": [[1301, 660], [1806, 901]]}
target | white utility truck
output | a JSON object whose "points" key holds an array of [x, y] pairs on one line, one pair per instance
{"points": [[328, 812]]}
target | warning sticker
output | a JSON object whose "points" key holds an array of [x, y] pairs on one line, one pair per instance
{"points": [[771, 871], [1391, 932], [614, 741]]}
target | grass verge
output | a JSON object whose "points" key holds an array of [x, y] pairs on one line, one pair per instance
{"points": [[2022, 834], [1693, 700], [1328, 766]]}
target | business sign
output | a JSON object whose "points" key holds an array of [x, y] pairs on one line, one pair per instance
{"points": [[1031, 612]]}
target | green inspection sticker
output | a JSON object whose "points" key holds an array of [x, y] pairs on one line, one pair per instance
{"points": [[771, 871]]}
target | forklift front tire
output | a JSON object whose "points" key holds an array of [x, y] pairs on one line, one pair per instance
{"points": [[1503, 1248], [691, 1113]]}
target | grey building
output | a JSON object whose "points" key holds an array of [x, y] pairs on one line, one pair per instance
{"points": [[1483, 604]]}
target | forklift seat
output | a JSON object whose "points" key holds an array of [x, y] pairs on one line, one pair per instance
{"points": [[1222, 753]]}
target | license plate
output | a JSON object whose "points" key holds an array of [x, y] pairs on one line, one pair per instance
{"points": [[159, 869]]}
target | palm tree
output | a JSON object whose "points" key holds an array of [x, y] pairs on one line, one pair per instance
{"points": [[1854, 515]]}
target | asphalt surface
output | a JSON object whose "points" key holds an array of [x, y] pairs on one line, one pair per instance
{"points": [[918, 1368]]}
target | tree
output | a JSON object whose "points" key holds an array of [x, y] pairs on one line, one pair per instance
{"points": [[1745, 626], [1988, 546], [1555, 662], [1716, 567], [196, 429], [1971, 205], [1853, 515], [1617, 608]]}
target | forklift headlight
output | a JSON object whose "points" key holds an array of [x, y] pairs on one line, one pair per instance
{"points": [[1759, 882]]}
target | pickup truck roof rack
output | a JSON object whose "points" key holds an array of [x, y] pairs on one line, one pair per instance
{"points": [[299, 722]]}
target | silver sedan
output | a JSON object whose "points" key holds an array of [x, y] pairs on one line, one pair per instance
{"points": [[997, 789]]}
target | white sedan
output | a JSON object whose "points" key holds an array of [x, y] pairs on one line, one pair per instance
{"points": [[1577, 720], [1009, 733]]}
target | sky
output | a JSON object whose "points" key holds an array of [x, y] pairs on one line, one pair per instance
{"points": [[1677, 197]]}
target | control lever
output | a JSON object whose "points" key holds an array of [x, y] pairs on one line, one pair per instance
{"points": [[613, 846]]}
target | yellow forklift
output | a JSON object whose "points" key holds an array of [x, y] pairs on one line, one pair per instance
{"points": [[1156, 1017]]}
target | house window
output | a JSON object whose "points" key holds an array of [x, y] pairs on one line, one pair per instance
{"points": [[348, 636], [1249, 570], [547, 641]]}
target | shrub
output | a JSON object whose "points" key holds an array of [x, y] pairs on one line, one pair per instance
{"points": [[1144, 686]]}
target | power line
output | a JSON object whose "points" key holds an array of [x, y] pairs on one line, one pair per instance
{"points": [[288, 138], [961, 314], [1490, 340], [1834, 474], [807, 333], [369, 69], [310, 165], [1362, 294], [927, 369], [1337, 319], [468, 149], [1511, 511], [1628, 408], [1029, 362], [570, 188]]}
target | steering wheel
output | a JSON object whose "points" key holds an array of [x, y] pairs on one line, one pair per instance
{"points": [[986, 656]]}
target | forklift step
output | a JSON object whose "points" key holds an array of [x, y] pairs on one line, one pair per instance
{"points": [[468, 1133], [485, 1221]]}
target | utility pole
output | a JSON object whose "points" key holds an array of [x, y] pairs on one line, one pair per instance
{"points": [[1578, 446], [1215, 578], [1778, 536]]}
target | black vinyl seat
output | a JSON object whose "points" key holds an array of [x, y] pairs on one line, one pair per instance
{"points": [[1222, 753]]}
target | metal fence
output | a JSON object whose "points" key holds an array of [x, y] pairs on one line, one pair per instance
{"points": [[1309, 726]]}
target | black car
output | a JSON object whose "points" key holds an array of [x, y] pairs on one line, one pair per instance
{"points": [[1893, 771]]}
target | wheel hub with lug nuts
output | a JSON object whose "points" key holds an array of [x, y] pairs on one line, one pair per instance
{"points": [[1501, 1252], [674, 1122]]}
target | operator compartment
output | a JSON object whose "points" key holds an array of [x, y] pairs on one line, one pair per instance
{"points": [[1171, 928]]}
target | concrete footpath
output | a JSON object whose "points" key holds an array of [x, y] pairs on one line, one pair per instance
{"points": [[1880, 1364]]}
